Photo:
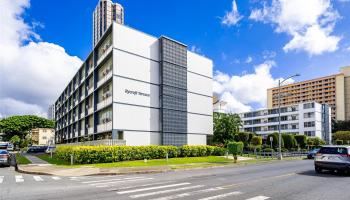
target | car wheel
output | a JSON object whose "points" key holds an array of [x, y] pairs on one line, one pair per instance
{"points": [[318, 170]]}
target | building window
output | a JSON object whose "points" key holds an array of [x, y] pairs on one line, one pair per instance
{"points": [[309, 124], [309, 105], [309, 115], [120, 135], [309, 133]]}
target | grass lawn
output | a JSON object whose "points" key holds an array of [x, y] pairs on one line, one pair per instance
{"points": [[52, 160], [21, 160]]}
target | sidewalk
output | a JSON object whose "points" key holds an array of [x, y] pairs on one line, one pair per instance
{"points": [[34, 159], [44, 169]]}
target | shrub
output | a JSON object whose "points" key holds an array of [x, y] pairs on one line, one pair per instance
{"points": [[301, 140], [235, 148], [268, 150], [107, 154], [339, 142], [289, 141]]}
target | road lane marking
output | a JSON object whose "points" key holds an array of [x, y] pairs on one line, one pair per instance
{"points": [[136, 186], [1, 179], [116, 179], [38, 178], [259, 198], [152, 188], [177, 196], [109, 184], [165, 191], [222, 196], [19, 179], [56, 178]]}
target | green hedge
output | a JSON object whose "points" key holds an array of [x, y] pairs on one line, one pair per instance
{"points": [[107, 154]]}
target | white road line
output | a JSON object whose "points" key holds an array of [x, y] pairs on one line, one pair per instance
{"points": [[56, 178], [38, 178], [165, 191], [259, 198], [135, 186], [1, 179], [177, 196], [109, 184], [221, 196], [116, 179], [152, 188], [19, 178]]}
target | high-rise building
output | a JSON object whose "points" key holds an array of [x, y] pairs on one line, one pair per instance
{"points": [[139, 89], [105, 13], [333, 90], [311, 119], [51, 112]]}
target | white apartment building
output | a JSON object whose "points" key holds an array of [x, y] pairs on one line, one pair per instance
{"points": [[311, 119], [138, 88], [105, 13]]}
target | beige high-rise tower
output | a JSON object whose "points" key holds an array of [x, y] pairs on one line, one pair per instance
{"points": [[333, 90], [104, 14]]}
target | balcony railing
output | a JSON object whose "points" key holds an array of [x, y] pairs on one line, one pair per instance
{"points": [[104, 54], [104, 127], [90, 90], [104, 79], [90, 130], [104, 103]]}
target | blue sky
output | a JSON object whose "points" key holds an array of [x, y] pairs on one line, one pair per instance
{"points": [[239, 46]]}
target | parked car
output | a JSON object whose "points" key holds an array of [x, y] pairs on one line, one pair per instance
{"points": [[37, 149], [10, 147], [333, 158], [4, 158], [312, 153]]}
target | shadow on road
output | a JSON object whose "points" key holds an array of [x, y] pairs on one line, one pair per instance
{"points": [[324, 174]]}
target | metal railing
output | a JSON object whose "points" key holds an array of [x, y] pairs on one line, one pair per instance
{"points": [[264, 154]]}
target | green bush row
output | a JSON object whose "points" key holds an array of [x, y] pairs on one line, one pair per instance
{"points": [[107, 154]]}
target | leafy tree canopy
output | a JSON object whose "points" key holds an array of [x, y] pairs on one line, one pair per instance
{"points": [[342, 135], [340, 126], [226, 126], [21, 125]]}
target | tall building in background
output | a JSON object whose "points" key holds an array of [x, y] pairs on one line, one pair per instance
{"points": [[333, 90], [105, 13], [51, 112]]}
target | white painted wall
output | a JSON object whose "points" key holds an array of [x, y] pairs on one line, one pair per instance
{"points": [[199, 64], [194, 139], [122, 96], [199, 124], [135, 67], [126, 117], [199, 104], [199, 84]]}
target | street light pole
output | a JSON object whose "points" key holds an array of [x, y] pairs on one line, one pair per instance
{"points": [[279, 115]]}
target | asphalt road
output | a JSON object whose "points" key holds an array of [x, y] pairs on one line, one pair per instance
{"points": [[279, 180]]}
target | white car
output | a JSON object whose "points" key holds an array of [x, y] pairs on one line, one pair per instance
{"points": [[10, 147]]}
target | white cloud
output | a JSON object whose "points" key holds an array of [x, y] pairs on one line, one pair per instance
{"points": [[195, 49], [233, 17], [249, 60], [310, 23], [242, 91], [32, 72]]}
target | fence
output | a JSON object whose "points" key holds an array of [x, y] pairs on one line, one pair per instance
{"points": [[275, 154], [107, 142]]}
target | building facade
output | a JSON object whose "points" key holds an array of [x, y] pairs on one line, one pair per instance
{"points": [[43, 136], [333, 90], [138, 88], [105, 13], [51, 112], [311, 119]]}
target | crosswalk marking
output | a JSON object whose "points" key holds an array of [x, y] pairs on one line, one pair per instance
{"points": [[108, 184], [190, 193], [1, 179], [222, 196], [56, 178], [135, 186], [19, 179], [259, 198], [38, 178], [110, 180], [165, 191], [152, 188]]}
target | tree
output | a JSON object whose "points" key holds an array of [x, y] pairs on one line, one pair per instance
{"points": [[21, 125], [315, 142], [226, 126], [301, 140], [256, 142], [235, 148], [242, 137], [289, 141], [342, 135], [15, 140], [340, 126]]}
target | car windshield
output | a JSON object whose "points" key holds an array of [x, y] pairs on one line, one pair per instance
{"points": [[3, 152], [315, 150], [333, 150]]}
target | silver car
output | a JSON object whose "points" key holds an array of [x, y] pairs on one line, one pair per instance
{"points": [[333, 158], [4, 158]]}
